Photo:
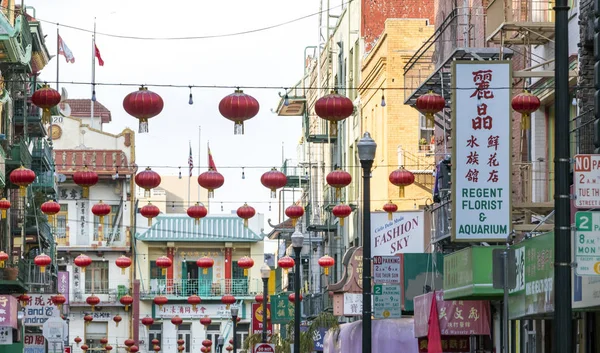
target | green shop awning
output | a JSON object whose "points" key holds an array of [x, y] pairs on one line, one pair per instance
{"points": [[468, 274]]}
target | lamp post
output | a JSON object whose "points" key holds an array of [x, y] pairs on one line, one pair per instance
{"points": [[297, 242], [234, 315], [366, 153], [265, 273], [220, 343]]}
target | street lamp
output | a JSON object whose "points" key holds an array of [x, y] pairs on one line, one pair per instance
{"points": [[366, 153], [234, 315], [297, 242], [265, 273], [220, 343]]}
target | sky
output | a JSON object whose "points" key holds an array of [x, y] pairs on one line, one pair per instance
{"points": [[267, 58]]}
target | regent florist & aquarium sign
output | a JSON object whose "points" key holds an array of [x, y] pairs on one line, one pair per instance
{"points": [[481, 152]]}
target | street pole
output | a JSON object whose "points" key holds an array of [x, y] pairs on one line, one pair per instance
{"points": [[297, 301], [234, 314], [562, 196], [366, 152], [264, 309]]}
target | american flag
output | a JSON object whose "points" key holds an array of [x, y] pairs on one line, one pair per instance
{"points": [[191, 161]]}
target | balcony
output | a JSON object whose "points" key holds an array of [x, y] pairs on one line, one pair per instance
{"points": [[32, 118], [19, 155], [16, 40], [297, 176], [45, 182], [520, 22], [314, 304], [533, 195], [421, 163], [13, 278], [441, 221], [206, 289], [42, 158], [39, 282], [109, 292]]}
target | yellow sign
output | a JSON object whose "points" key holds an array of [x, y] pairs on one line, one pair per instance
{"points": [[258, 314], [597, 267]]}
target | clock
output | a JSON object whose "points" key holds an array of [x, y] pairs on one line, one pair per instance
{"points": [[55, 132]]}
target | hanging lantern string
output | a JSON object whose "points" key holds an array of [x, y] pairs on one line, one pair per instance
{"points": [[243, 167]]}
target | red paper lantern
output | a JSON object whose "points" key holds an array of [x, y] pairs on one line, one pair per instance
{"points": [[100, 210], [160, 301], [50, 208], [147, 180], [108, 348], [88, 318], [42, 260], [129, 342], [207, 343], [3, 257], [82, 261], [156, 348], [180, 348], [164, 263], [430, 104], [77, 340], [334, 108], [525, 103], [273, 179], [86, 179], [103, 340], [46, 98], [238, 107], [231, 341], [176, 320], [92, 300], [205, 321], [259, 298], [149, 211], [22, 177], [246, 263], [117, 318], [155, 342], [246, 212], [180, 342], [4, 206], [194, 300], [229, 348], [58, 300], [143, 105], [123, 262], [196, 212], [203, 349], [211, 180], [147, 321], [84, 347], [292, 298], [286, 262], [228, 299], [134, 349], [24, 299], [126, 300], [205, 263], [294, 212], [341, 211], [326, 262], [338, 179], [390, 208], [401, 178]]}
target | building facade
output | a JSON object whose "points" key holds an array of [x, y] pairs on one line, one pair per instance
{"points": [[78, 146]]}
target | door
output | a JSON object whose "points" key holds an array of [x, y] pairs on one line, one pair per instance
{"points": [[239, 280], [212, 333], [185, 333], [205, 284], [190, 283]]}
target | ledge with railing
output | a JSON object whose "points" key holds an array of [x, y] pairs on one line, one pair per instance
{"points": [[109, 292], [537, 181], [533, 19], [183, 288]]}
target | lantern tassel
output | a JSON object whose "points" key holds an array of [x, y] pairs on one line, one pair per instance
{"points": [[85, 193], [294, 221], [22, 191], [333, 128], [93, 306], [100, 232], [143, 127], [211, 193], [164, 271], [46, 116], [238, 128], [122, 271], [42, 269], [126, 307], [196, 221], [273, 193], [205, 271], [246, 272], [149, 222], [401, 191], [3, 214], [1, 264], [342, 221], [245, 223], [117, 324], [326, 271], [338, 193], [429, 121], [390, 216], [525, 122], [51, 219], [160, 307], [227, 307]]}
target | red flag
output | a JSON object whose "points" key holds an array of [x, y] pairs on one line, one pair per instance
{"points": [[100, 61], [434, 338], [211, 162]]}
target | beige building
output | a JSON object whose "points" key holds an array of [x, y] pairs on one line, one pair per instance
{"points": [[172, 194], [402, 135]]}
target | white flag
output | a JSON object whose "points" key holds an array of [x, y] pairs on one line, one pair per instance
{"points": [[64, 50]]}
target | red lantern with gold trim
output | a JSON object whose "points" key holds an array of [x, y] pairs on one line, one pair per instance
{"points": [[92, 301], [194, 300], [150, 211], [134, 349], [338, 179], [86, 179], [24, 299], [58, 300], [207, 343], [238, 107], [84, 347], [126, 300], [4, 206], [147, 321], [164, 263], [88, 318], [82, 261], [42, 261], [334, 108], [103, 341], [246, 212], [3, 258], [197, 212], [245, 263], [228, 299], [259, 298], [77, 340], [117, 318], [50, 208], [211, 180], [46, 98], [147, 180], [108, 348], [294, 212], [390, 208], [176, 320], [430, 104], [205, 321], [143, 105], [123, 262], [342, 211], [292, 298], [205, 263], [22, 177], [401, 178], [326, 262], [155, 342], [525, 103], [273, 180], [129, 342], [160, 301]]}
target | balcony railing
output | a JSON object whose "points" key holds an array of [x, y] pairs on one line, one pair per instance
{"points": [[19, 154], [204, 288], [38, 281], [501, 11], [109, 292], [41, 150], [441, 221], [537, 181]]}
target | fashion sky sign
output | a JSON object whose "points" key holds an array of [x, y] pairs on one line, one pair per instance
{"points": [[403, 234], [481, 121]]}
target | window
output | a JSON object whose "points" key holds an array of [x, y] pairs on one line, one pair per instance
{"points": [[96, 277], [241, 334], [61, 223], [155, 331], [107, 226], [426, 135], [213, 332], [94, 332], [185, 333]]}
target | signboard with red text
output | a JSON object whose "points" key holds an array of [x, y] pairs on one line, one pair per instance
{"points": [[481, 153], [587, 180]]}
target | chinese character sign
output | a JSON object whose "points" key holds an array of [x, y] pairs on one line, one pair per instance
{"points": [[39, 309], [34, 343], [63, 284], [8, 311], [482, 151]]}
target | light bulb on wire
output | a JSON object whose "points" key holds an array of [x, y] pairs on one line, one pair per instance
{"points": [[243, 173], [286, 100], [179, 172], [191, 101], [383, 104]]}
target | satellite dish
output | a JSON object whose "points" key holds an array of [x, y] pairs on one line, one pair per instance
{"points": [[65, 110], [64, 95], [61, 178]]}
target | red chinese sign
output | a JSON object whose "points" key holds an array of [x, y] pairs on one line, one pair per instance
{"points": [[258, 319], [457, 317], [450, 344]]}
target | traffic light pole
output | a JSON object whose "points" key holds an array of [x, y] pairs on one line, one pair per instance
{"points": [[562, 195]]}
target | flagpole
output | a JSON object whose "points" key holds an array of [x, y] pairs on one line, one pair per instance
{"points": [[93, 76], [199, 156], [208, 163], [189, 176], [57, 57]]}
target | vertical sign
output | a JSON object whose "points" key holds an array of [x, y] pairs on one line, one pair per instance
{"points": [[63, 284], [258, 319], [82, 223], [481, 161]]}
